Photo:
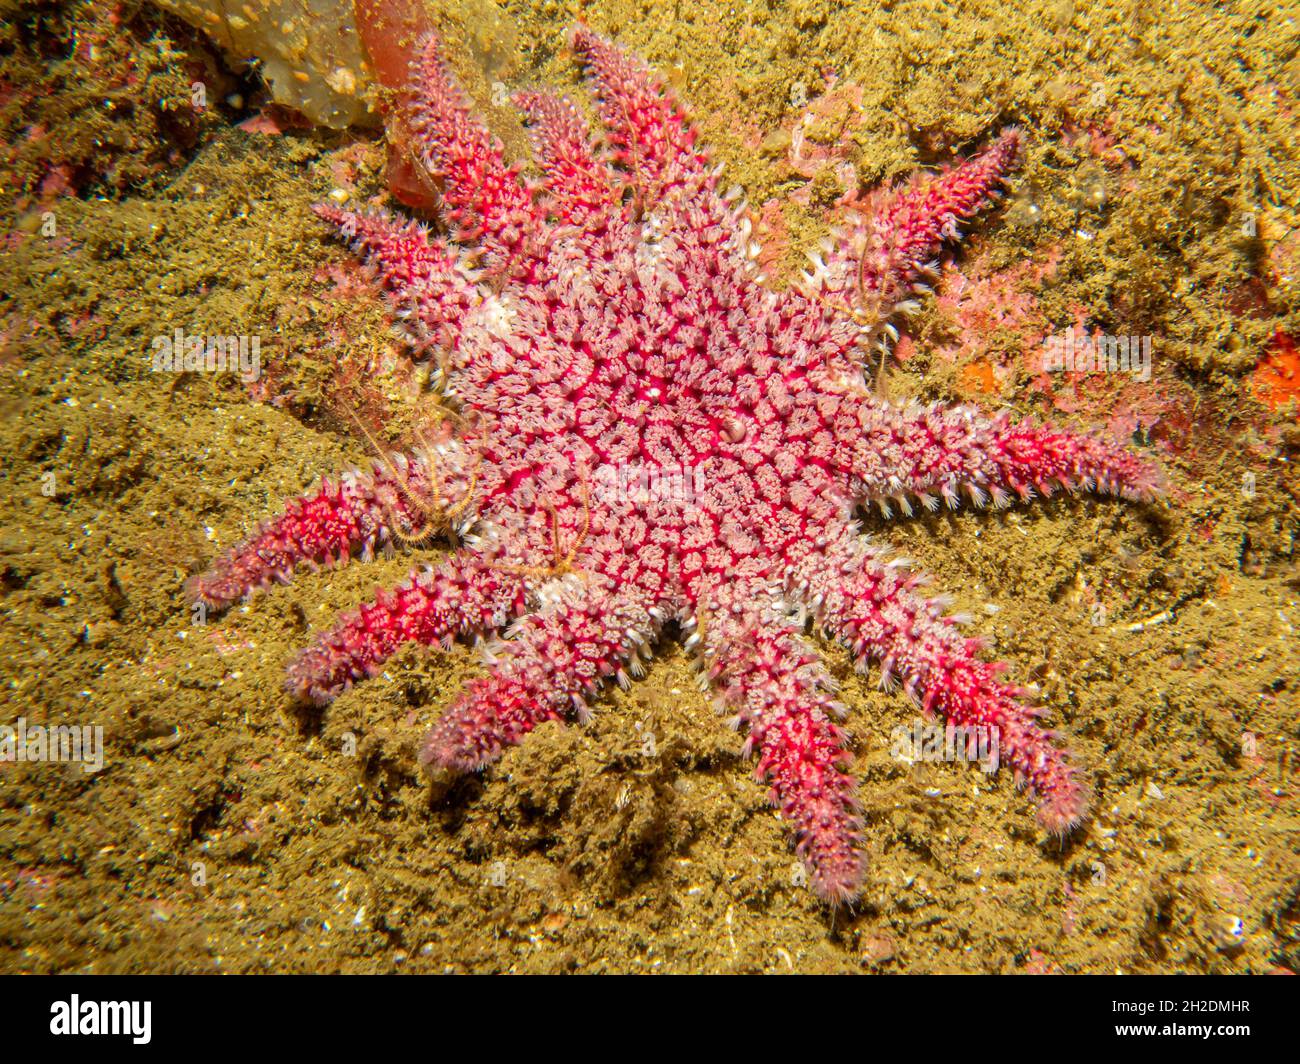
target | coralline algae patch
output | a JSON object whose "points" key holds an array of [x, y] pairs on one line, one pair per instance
{"points": [[988, 323], [1276, 380], [820, 160], [975, 306], [991, 326], [309, 52]]}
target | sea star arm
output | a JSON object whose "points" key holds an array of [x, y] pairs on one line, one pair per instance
{"points": [[426, 279], [463, 595], [874, 264], [403, 497], [552, 662], [580, 186], [935, 453], [649, 130], [872, 608], [781, 693], [485, 198]]}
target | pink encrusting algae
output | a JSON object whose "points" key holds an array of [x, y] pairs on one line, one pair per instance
{"points": [[647, 435]]}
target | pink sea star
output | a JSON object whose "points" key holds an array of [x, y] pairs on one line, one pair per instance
{"points": [[649, 436]]}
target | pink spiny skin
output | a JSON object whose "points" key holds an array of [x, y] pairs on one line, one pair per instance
{"points": [[649, 435]]}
